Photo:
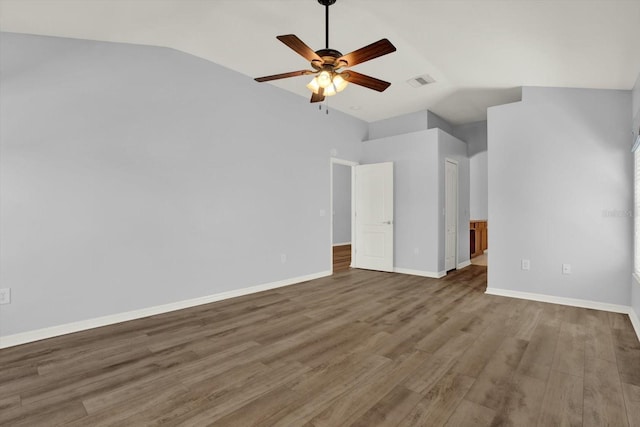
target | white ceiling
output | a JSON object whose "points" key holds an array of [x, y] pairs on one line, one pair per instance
{"points": [[478, 51]]}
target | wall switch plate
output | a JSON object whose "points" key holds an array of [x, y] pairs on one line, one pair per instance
{"points": [[566, 268], [283, 258], [526, 264], [416, 251], [5, 296]]}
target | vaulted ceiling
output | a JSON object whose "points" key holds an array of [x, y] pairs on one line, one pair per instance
{"points": [[478, 51]]}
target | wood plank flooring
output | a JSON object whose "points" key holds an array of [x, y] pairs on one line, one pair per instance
{"points": [[341, 258], [359, 348]]}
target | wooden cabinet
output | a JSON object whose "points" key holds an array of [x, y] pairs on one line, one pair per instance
{"points": [[478, 237]]}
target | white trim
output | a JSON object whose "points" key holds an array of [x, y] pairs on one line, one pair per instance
{"points": [[636, 208], [68, 328], [420, 273], [633, 316], [636, 144], [341, 244], [353, 215], [455, 162], [573, 302], [603, 306], [464, 264], [343, 162]]}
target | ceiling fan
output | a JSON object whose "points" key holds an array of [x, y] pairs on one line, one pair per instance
{"points": [[329, 65]]}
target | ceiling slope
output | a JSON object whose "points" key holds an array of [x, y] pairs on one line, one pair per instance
{"points": [[477, 51]]}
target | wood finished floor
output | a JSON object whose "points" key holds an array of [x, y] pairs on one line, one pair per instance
{"points": [[481, 260], [359, 348]]}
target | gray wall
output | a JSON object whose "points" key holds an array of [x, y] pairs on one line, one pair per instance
{"points": [[479, 189], [475, 135], [405, 123], [415, 183], [419, 195], [408, 123], [635, 94], [434, 121], [560, 179], [635, 108], [341, 204], [134, 176]]}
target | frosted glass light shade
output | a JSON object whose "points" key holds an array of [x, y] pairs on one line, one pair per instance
{"points": [[313, 85], [336, 84], [339, 83], [324, 79]]}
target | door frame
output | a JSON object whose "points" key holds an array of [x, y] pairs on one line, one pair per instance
{"points": [[352, 165], [455, 162]]}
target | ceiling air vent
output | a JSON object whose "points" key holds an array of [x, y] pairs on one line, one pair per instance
{"points": [[421, 80]]}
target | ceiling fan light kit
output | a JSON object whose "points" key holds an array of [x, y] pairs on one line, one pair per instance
{"points": [[329, 65], [330, 84]]}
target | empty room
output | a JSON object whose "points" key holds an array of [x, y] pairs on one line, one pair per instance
{"points": [[320, 213]]}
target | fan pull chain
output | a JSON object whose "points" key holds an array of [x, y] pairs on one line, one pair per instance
{"points": [[326, 107]]}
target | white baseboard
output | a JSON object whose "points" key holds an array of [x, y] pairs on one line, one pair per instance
{"points": [[68, 328], [595, 305], [420, 273], [341, 244], [464, 264]]}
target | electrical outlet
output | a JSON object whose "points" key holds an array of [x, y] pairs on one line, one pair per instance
{"points": [[5, 296], [416, 251], [566, 268], [283, 258], [526, 264]]}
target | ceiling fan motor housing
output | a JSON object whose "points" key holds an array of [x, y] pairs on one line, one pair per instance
{"points": [[329, 58], [326, 2]]}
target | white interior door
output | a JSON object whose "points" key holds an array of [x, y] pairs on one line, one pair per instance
{"points": [[374, 217], [451, 215]]}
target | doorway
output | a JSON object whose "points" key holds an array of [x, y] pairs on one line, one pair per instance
{"points": [[342, 177], [371, 237]]}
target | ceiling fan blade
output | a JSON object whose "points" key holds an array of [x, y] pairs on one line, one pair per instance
{"points": [[284, 75], [364, 80], [318, 97], [367, 53], [300, 47]]}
